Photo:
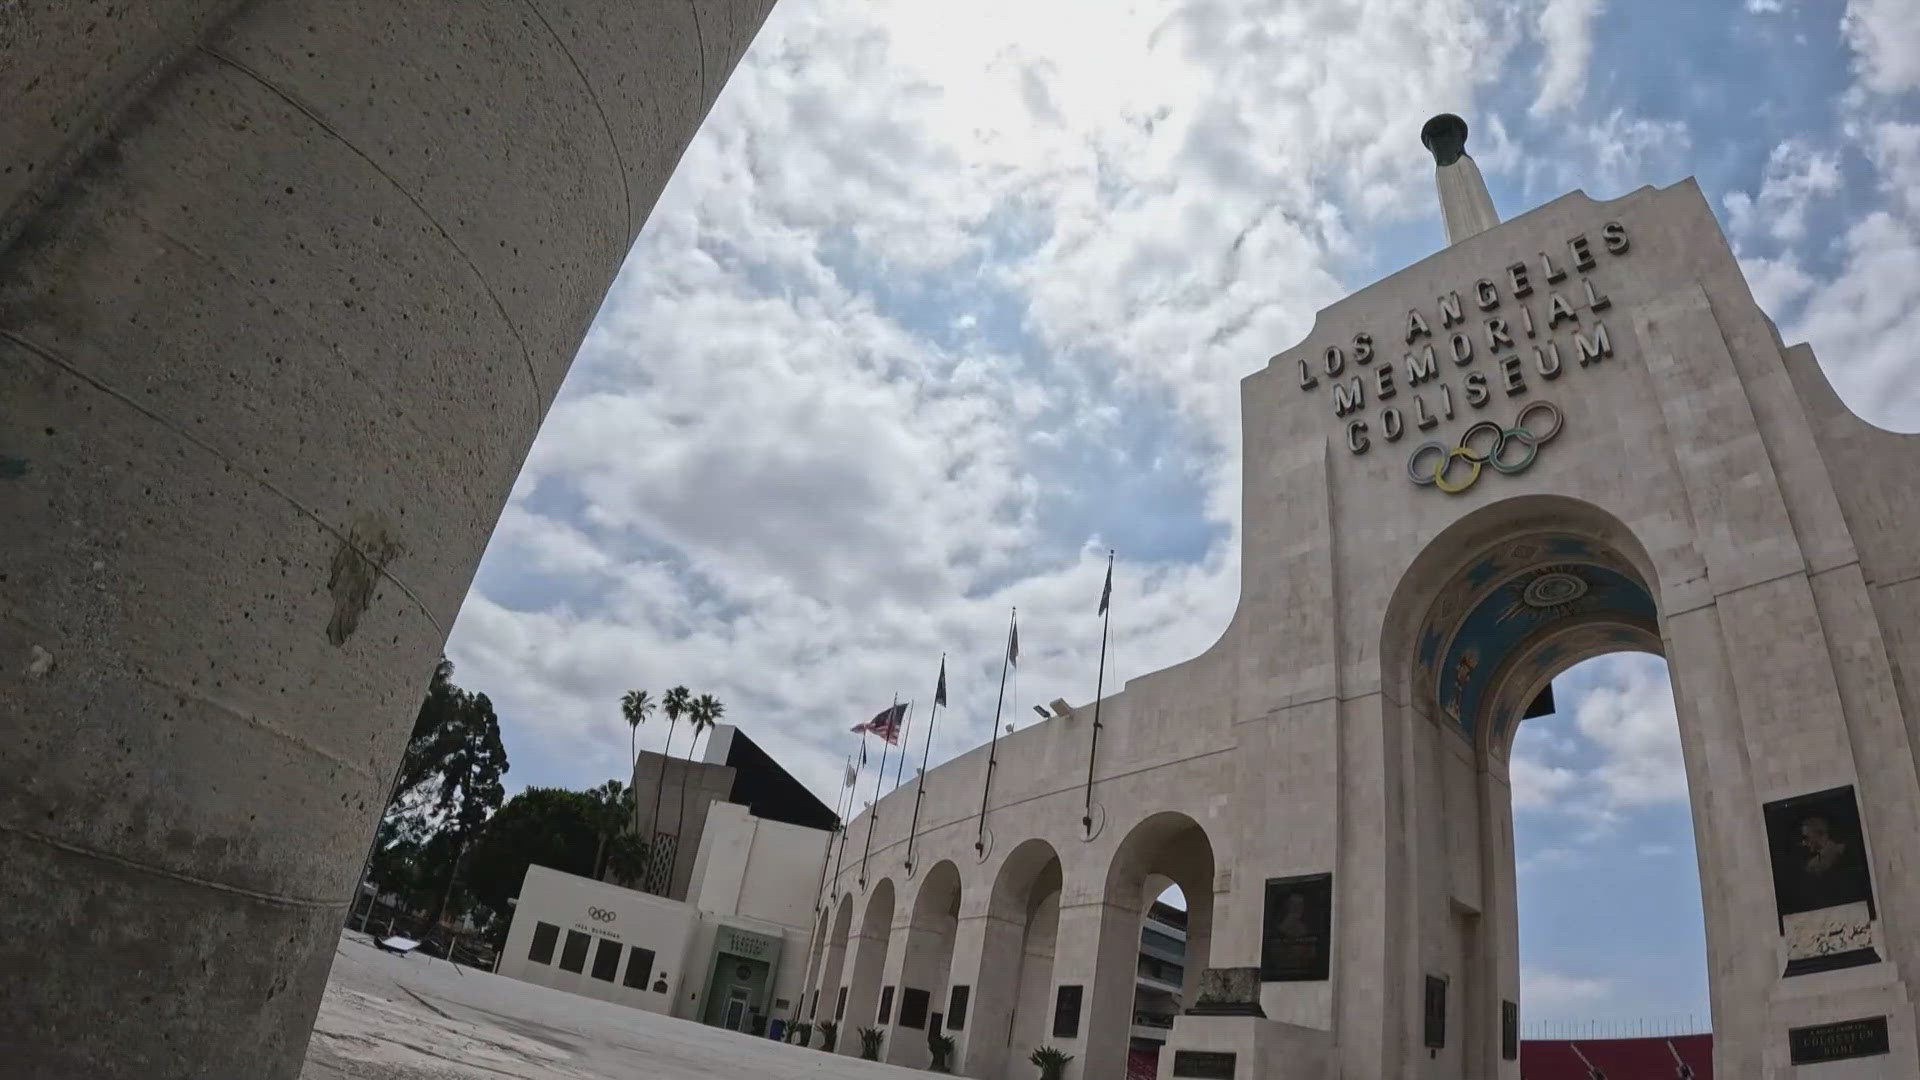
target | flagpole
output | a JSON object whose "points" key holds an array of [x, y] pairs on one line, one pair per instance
{"points": [[901, 767], [993, 748], [1099, 687], [920, 791], [873, 814], [841, 858]]}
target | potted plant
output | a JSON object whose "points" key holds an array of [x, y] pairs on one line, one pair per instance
{"points": [[870, 1039], [941, 1047], [801, 1034], [1052, 1062], [829, 1034]]}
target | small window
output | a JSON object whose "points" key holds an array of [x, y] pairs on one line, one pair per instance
{"points": [[639, 967], [606, 960], [544, 936], [573, 957], [840, 1006], [957, 1008], [886, 1004]]}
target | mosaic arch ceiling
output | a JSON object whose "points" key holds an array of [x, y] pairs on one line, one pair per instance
{"points": [[1582, 595]]}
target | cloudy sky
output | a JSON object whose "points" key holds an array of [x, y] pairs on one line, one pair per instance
{"points": [[936, 310]]}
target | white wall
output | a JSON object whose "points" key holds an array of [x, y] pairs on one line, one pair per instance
{"points": [[637, 919], [756, 875]]}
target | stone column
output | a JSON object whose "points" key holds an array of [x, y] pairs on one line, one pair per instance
{"points": [[986, 958], [1098, 950], [273, 345]]}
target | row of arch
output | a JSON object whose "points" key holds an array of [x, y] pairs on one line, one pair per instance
{"points": [[1025, 956]]}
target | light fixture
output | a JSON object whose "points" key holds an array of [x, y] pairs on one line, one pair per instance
{"points": [[1042, 710]]}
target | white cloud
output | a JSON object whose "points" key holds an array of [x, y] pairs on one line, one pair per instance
{"points": [[1656, 851], [1766, 7], [1565, 31], [1545, 991], [912, 273], [1797, 175], [1630, 717], [1537, 785], [1883, 34]]}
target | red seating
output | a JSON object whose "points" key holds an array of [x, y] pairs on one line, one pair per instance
{"points": [[1651, 1058]]}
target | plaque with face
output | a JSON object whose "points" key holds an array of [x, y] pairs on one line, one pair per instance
{"points": [[1819, 856], [1296, 942]]}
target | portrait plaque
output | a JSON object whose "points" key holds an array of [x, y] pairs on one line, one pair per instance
{"points": [[913, 1007], [886, 1005], [840, 1006], [1066, 1013], [1296, 939], [1819, 859], [1509, 1031], [957, 1008], [1814, 1044], [1203, 1064]]}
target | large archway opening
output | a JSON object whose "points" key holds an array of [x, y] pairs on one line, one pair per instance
{"points": [[1524, 599], [1136, 995], [926, 966], [830, 985], [1016, 966], [864, 998], [1611, 930]]}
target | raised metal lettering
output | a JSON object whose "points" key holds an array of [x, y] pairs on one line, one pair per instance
{"points": [[1592, 351], [1348, 396]]}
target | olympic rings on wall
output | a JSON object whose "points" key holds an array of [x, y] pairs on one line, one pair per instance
{"points": [[600, 914], [1485, 443]]}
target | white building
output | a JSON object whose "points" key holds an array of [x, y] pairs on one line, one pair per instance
{"points": [[731, 955]]}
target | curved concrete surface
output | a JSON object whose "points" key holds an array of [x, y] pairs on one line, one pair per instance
{"points": [[285, 290]]}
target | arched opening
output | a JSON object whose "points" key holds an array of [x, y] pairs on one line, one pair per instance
{"points": [[1149, 969], [1611, 928], [869, 963], [1526, 593], [836, 958], [926, 966], [1011, 1003]]}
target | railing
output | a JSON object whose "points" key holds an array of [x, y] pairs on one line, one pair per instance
{"points": [[1152, 1020]]}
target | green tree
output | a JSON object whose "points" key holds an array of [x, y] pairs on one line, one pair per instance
{"points": [[702, 713], [552, 827], [465, 760], [636, 706], [609, 802]]}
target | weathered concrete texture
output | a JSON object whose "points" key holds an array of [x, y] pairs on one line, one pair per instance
{"points": [[271, 356], [395, 1018]]}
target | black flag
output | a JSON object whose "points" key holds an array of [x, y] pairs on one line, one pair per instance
{"points": [[1106, 591], [1013, 643], [940, 688]]}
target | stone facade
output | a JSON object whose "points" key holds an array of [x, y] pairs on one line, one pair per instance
{"points": [[1657, 471]]}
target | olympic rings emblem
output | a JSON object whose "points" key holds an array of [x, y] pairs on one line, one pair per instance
{"points": [[1495, 439], [599, 914]]}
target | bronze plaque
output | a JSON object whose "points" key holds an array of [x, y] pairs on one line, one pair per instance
{"points": [[1296, 939], [1066, 1013], [1864, 1037], [1819, 856], [1203, 1064]]}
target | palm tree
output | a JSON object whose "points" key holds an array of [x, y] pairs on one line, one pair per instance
{"points": [[636, 706], [701, 714], [675, 705], [609, 808]]}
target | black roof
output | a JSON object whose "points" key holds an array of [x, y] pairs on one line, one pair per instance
{"points": [[769, 791]]}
